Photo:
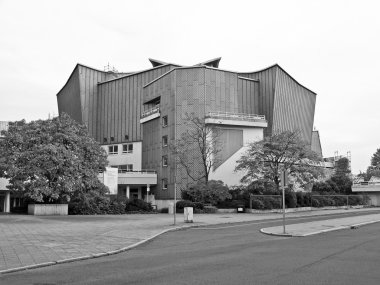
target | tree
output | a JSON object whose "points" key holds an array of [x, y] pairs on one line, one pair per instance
{"points": [[374, 168], [375, 159], [266, 159], [51, 160], [200, 143], [342, 167]]}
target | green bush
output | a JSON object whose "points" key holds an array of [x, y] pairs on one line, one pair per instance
{"points": [[210, 209], [258, 204], [198, 206], [230, 204], [93, 203], [210, 193], [137, 205]]}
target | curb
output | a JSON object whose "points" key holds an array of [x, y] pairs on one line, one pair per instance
{"points": [[354, 226]]}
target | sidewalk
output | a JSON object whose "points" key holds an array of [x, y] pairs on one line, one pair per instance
{"points": [[318, 227], [27, 241]]}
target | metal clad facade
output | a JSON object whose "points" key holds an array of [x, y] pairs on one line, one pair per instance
{"points": [[293, 106], [267, 80], [316, 143], [68, 98], [121, 105]]}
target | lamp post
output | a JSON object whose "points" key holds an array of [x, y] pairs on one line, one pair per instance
{"points": [[284, 182]]}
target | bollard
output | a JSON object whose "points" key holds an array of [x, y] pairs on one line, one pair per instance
{"points": [[188, 214]]}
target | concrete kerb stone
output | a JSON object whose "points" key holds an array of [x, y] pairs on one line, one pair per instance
{"points": [[319, 232], [33, 266], [275, 234]]}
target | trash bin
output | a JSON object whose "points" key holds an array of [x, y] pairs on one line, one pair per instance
{"points": [[240, 209], [188, 214]]}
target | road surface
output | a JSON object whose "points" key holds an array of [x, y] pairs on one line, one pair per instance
{"points": [[228, 254]]}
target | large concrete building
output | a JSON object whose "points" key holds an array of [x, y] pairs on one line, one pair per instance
{"points": [[137, 115]]}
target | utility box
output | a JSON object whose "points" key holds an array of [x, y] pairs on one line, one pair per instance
{"points": [[188, 214], [171, 208]]}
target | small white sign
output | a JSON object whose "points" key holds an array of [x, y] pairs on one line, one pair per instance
{"points": [[110, 179]]}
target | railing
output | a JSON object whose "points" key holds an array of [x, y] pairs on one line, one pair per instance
{"points": [[235, 116], [143, 171], [367, 183], [150, 112]]}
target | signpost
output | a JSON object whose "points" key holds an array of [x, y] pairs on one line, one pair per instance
{"points": [[284, 182]]}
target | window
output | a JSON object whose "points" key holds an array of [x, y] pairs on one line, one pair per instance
{"points": [[113, 149], [125, 168], [165, 141], [128, 148], [164, 184], [165, 121], [112, 139], [165, 160]]}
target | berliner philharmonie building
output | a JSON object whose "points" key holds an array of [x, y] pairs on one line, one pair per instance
{"points": [[136, 116]]}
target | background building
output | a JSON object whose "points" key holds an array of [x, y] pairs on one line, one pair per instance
{"points": [[5, 195], [137, 115]]}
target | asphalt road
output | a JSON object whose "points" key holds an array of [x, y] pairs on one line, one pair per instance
{"points": [[232, 254]]}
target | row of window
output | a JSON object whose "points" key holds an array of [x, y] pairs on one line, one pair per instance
{"points": [[164, 181], [124, 167], [114, 149]]}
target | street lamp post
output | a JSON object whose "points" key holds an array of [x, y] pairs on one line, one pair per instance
{"points": [[284, 182]]}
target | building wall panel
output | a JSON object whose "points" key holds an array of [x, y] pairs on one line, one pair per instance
{"points": [[122, 99], [294, 107], [68, 98]]}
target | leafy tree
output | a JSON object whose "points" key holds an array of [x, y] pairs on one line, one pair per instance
{"points": [[212, 192], [199, 143], [266, 159], [342, 166], [375, 159], [374, 168], [51, 160]]}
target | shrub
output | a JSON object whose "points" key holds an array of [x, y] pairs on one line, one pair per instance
{"points": [[229, 204], [138, 205], [258, 204], [164, 210], [209, 210], [210, 193]]}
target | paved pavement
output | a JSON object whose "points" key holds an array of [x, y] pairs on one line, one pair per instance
{"points": [[317, 227], [31, 240]]}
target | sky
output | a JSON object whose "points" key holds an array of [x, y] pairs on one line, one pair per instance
{"points": [[331, 47]]}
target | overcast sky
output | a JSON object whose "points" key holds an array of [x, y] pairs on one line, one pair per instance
{"points": [[331, 47]]}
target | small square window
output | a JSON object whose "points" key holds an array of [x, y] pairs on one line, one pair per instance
{"points": [[113, 149], [165, 121], [165, 141], [164, 184], [112, 139], [128, 148], [126, 137], [105, 140], [165, 160]]}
